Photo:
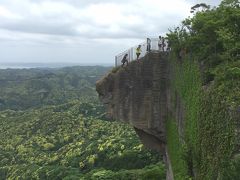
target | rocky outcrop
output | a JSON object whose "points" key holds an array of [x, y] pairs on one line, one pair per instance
{"points": [[136, 94], [140, 94]]}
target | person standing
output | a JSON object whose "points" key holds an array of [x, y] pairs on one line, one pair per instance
{"points": [[148, 44], [163, 43], [160, 43], [138, 51]]}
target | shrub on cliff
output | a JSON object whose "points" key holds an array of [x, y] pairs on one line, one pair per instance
{"points": [[212, 40]]}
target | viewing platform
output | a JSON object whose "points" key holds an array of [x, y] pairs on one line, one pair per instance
{"points": [[153, 44]]}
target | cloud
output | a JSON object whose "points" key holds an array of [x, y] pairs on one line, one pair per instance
{"points": [[107, 19], [6, 13], [208, 2], [109, 26]]}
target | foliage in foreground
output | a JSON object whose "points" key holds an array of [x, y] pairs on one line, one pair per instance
{"points": [[61, 141], [68, 140], [207, 78]]}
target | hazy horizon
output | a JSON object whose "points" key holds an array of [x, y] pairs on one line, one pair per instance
{"points": [[24, 65]]}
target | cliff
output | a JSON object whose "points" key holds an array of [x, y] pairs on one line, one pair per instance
{"points": [[136, 94], [163, 98]]}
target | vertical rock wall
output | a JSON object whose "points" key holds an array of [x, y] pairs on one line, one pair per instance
{"points": [[136, 94]]}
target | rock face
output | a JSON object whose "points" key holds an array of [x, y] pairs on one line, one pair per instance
{"points": [[137, 94], [140, 94]]}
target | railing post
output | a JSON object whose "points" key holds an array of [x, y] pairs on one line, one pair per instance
{"points": [[132, 54], [115, 61]]}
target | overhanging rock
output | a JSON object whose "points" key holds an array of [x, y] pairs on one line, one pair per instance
{"points": [[136, 94]]}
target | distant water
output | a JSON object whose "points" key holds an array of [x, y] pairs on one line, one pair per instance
{"points": [[45, 65]]}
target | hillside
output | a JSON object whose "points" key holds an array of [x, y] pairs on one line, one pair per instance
{"points": [[69, 140], [28, 88]]}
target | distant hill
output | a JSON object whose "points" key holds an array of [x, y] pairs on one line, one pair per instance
{"points": [[28, 88]]}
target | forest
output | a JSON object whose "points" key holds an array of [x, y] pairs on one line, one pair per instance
{"points": [[24, 89], [53, 127], [205, 58]]}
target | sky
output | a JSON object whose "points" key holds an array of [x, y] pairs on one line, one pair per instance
{"points": [[83, 31]]}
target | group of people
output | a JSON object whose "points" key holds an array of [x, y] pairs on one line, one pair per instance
{"points": [[138, 53], [162, 44], [161, 47], [125, 57]]}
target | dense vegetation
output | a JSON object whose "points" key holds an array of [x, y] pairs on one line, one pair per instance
{"points": [[206, 61], [23, 89], [69, 139]]}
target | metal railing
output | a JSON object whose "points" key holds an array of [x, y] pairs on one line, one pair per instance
{"points": [[132, 51]]}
